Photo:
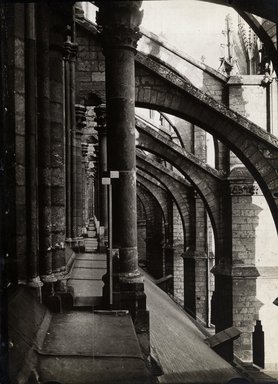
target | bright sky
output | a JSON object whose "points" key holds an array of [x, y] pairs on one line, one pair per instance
{"points": [[193, 26]]}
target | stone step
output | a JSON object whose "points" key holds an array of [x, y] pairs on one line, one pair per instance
{"points": [[90, 249], [90, 348], [89, 257], [87, 301], [91, 240], [89, 274], [87, 287], [90, 264], [91, 245]]}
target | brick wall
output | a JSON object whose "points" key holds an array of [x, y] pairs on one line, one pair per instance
{"points": [[178, 249], [255, 265], [248, 97], [90, 68], [154, 233], [141, 241]]}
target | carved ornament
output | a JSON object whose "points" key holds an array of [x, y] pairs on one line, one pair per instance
{"points": [[118, 23], [245, 189]]}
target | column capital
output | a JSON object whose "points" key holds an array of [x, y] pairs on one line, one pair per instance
{"points": [[100, 119], [236, 271], [196, 195], [241, 183], [119, 22], [70, 48], [80, 118], [78, 10]]}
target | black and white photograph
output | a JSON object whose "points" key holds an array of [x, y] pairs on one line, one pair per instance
{"points": [[139, 192]]}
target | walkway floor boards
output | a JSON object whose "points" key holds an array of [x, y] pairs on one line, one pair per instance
{"points": [[179, 344]]}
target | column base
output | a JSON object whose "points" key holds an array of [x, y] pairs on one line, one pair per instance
{"points": [[50, 278], [36, 285], [63, 291], [132, 297], [128, 293], [52, 301], [77, 244], [68, 241], [103, 240], [35, 282]]}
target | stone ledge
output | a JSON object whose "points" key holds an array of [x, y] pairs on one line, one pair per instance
{"points": [[235, 271], [246, 80]]}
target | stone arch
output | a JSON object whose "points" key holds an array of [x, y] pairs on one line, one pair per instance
{"points": [[178, 189], [154, 255], [158, 87], [170, 93], [206, 180], [153, 188], [143, 215]]}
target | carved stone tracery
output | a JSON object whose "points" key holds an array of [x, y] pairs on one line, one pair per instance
{"points": [[245, 189]]}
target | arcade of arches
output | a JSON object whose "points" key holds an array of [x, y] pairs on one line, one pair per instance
{"points": [[190, 153]]}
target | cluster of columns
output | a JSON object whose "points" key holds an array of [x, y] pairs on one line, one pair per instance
{"points": [[50, 158], [120, 22], [37, 122], [119, 45]]}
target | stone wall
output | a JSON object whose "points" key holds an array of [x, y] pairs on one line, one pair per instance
{"points": [[178, 248], [247, 96], [90, 68]]}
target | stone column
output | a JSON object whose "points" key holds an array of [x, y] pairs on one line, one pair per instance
{"points": [[178, 263], [85, 185], [95, 159], [67, 53], [31, 152], [245, 215], [120, 32], [236, 279], [196, 267], [103, 198], [168, 251], [70, 50], [44, 145], [74, 148], [57, 145], [80, 176]]}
